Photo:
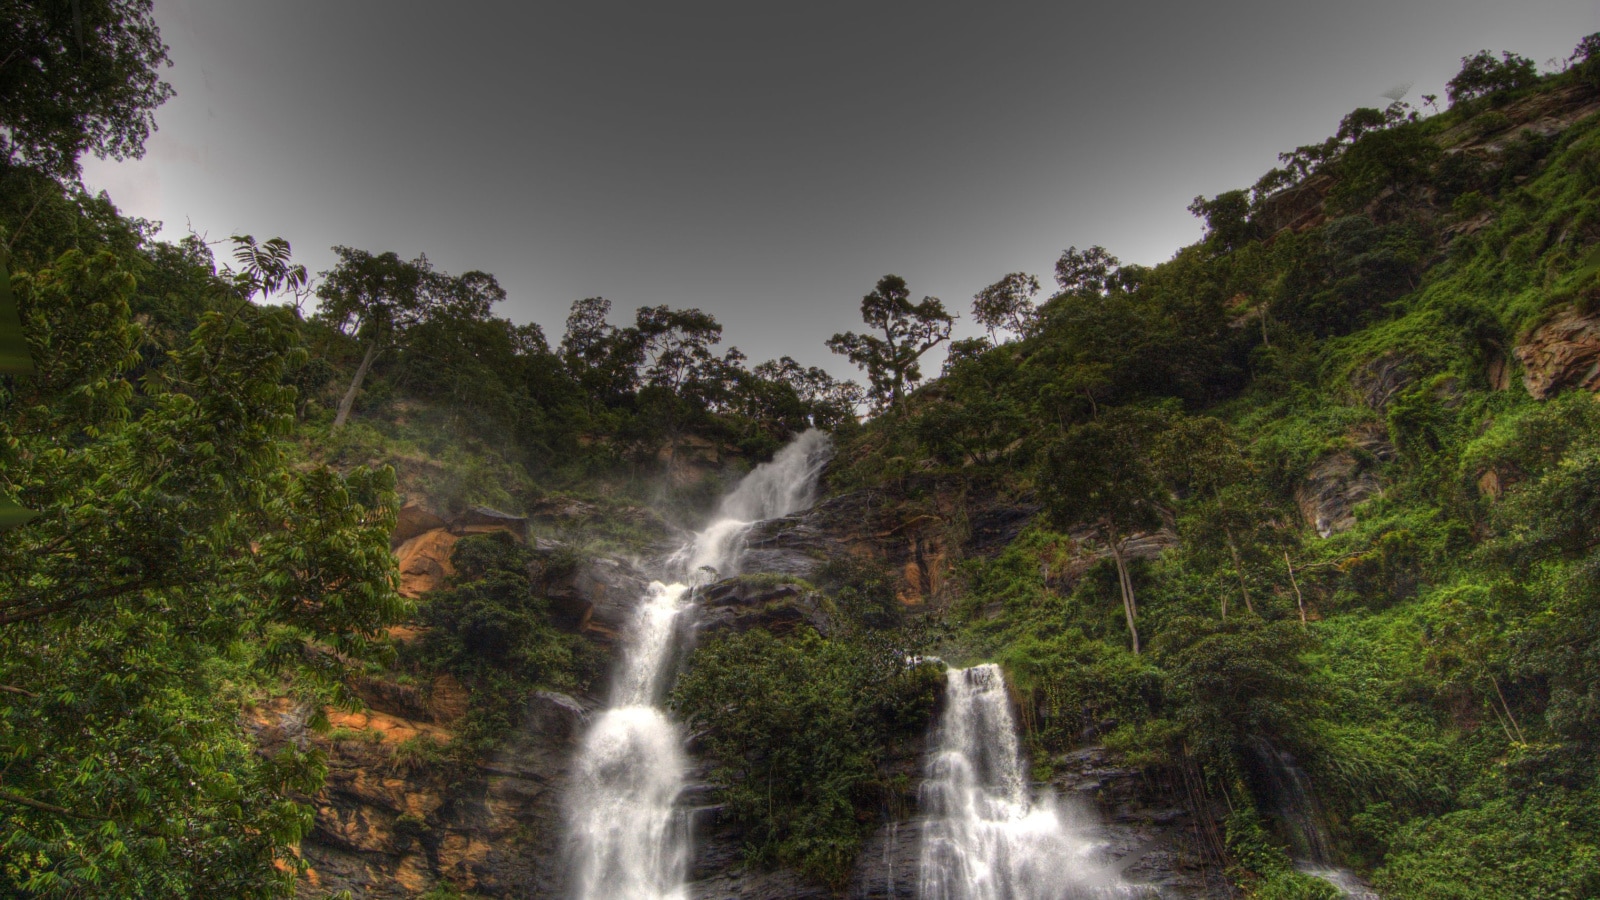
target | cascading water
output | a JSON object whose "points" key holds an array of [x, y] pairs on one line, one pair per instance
{"points": [[1294, 804], [985, 838], [629, 841]]}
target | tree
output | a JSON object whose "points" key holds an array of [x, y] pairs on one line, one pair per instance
{"points": [[266, 269], [1103, 474], [75, 77], [676, 345], [976, 411], [1481, 75], [602, 358], [1227, 215], [827, 403], [1008, 304], [1585, 61], [372, 298], [909, 330], [177, 554], [1090, 272], [1200, 454]]}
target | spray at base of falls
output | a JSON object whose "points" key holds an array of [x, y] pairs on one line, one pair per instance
{"points": [[629, 840], [986, 838]]}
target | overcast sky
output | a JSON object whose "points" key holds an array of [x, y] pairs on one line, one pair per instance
{"points": [[764, 161]]}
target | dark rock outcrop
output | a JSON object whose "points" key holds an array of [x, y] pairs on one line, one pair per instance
{"points": [[922, 548], [1330, 492], [1152, 836], [1339, 482], [594, 597], [740, 604]]}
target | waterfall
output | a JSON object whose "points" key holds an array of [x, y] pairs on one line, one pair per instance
{"points": [[1294, 805], [986, 838], [629, 841]]}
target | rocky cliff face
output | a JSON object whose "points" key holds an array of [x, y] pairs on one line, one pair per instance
{"points": [[391, 823], [396, 819], [1563, 352]]}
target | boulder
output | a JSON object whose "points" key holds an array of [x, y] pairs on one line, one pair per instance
{"points": [[596, 597], [740, 604], [1563, 352], [425, 561], [415, 518]]}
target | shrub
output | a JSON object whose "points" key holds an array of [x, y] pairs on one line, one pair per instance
{"points": [[1481, 75]]}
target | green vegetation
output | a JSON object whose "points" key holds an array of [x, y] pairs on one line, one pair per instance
{"points": [[1374, 552], [1291, 496], [799, 728], [491, 630]]}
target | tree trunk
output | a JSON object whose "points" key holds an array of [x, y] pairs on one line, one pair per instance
{"points": [[1238, 568], [1129, 607], [1299, 600], [355, 386]]}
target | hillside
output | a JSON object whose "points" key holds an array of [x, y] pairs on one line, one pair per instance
{"points": [[1286, 549]]}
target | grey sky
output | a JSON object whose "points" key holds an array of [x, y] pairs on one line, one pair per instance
{"points": [[766, 162]]}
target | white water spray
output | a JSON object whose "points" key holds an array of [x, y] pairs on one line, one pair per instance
{"points": [[986, 838], [629, 840]]}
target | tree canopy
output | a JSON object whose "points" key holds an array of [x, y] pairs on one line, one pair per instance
{"points": [[909, 330], [78, 77]]}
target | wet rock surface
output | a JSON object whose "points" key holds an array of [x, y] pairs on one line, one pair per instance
{"points": [[1152, 837], [595, 596], [740, 604], [922, 548]]}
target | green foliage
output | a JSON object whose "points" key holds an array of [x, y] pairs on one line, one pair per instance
{"points": [[1263, 866], [1230, 683], [1339, 276], [1544, 845], [798, 729], [493, 631], [78, 77], [1481, 75], [176, 556], [909, 331]]}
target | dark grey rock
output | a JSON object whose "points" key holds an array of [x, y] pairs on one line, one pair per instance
{"points": [[740, 604]]}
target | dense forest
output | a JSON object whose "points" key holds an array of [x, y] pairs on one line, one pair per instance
{"points": [[1325, 487]]}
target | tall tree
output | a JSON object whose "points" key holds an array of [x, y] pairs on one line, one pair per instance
{"points": [[1200, 454], [372, 298], [676, 344], [602, 358], [909, 330], [1104, 474], [78, 76], [1008, 305], [1086, 272]]}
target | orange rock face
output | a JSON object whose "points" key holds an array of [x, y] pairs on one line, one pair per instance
{"points": [[425, 562], [387, 729], [1563, 352]]}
